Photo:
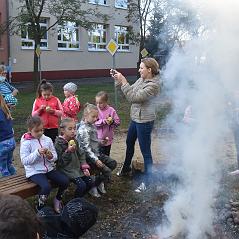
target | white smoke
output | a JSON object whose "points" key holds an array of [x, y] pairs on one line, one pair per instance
{"points": [[201, 73]]}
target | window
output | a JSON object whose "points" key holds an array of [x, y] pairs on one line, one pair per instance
{"points": [[68, 36], [97, 38], [122, 38], [100, 2], [27, 35], [121, 4]]}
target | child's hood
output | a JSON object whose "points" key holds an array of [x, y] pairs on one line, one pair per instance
{"points": [[60, 140], [28, 136]]}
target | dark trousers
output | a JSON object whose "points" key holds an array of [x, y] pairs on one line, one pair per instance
{"points": [[51, 133], [83, 185], [104, 172], [56, 177], [105, 150], [235, 131], [142, 131]]}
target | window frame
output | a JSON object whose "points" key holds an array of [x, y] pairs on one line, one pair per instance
{"points": [[97, 2], [120, 6], [29, 40], [104, 30], [67, 48], [116, 32]]}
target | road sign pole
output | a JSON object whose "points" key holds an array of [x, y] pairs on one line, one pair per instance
{"points": [[112, 47], [116, 96], [39, 67]]}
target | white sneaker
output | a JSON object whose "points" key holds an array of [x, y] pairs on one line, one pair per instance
{"points": [[140, 188], [94, 192], [236, 172], [101, 188]]}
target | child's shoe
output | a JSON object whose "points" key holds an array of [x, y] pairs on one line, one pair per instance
{"points": [[124, 171], [94, 192], [12, 170], [101, 188], [42, 199], [57, 205], [141, 188]]}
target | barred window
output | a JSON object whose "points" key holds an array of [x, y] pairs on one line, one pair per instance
{"points": [[97, 38], [122, 37], [27, 38], [68, 36]]}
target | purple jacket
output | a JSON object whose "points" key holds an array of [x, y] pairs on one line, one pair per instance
{"points": [[103, 129]]}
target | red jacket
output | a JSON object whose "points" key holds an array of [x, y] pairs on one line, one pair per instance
{"points": [[71, 107], [50, 120]]}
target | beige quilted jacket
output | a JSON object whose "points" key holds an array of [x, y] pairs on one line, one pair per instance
{"points": [[142, 95]]}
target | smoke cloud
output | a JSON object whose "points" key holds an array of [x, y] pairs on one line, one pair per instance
{"points": [[202, 73]]}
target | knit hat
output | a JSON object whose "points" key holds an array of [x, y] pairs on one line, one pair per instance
{"points": [[79, 215], [72, 87]]}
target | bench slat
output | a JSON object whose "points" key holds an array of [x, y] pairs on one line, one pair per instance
{"points": [[18, 185]]}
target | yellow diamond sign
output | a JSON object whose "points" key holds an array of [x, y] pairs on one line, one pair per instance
{"points": [[112, 47], [144, 52]]}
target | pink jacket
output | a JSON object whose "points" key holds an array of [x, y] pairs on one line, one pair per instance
{"points": [[71, 107], [50, 120], [103, 129]]}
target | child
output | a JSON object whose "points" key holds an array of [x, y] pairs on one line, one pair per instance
{"points": [[7, 142], [71, 105], [17, 219], [71, 160], [49, 108], [88, 141], [106, 123], [38, 155], [8, 91]]}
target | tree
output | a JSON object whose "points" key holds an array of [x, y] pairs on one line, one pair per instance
{"points": [[31, 13], [138, 12], [171, 22]]}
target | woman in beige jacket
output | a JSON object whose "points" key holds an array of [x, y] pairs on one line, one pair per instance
{"points": [[142, 95]]}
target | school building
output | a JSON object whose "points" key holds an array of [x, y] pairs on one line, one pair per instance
{"points": [[70, 51]]}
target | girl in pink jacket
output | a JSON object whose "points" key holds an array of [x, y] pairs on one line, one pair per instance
{"points": [[107, 121]]}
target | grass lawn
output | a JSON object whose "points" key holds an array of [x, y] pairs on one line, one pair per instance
{"points": [[86, 93]]}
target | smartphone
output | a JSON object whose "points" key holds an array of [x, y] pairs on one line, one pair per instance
{"points": [[112, 72]]}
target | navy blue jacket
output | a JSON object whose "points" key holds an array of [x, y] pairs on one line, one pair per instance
{"points": [[6, 131]]}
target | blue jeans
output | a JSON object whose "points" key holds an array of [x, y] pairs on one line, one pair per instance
{"points": [[142, 131], [56, 177], [6, 154]]}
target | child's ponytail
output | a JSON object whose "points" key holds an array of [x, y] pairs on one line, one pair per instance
{"points": [[43, 85]]}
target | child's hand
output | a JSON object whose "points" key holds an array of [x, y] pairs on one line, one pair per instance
{"points": [[86, 172], [109, 120], [50, 110], [71, 148], [104, 141], [99, 164], [48, 154], [42, 107], [42, 151]]}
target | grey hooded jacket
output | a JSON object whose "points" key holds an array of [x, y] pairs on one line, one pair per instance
{"points": [[142, 95]]}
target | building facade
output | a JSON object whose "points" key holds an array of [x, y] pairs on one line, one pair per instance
{"points": [[4, 37], [71, 51]]}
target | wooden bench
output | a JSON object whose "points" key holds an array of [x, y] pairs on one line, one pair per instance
{"points": [[18, 185]]}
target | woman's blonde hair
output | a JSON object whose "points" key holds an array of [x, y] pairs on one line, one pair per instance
{"points": [[5, 108], [151, 63]]}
